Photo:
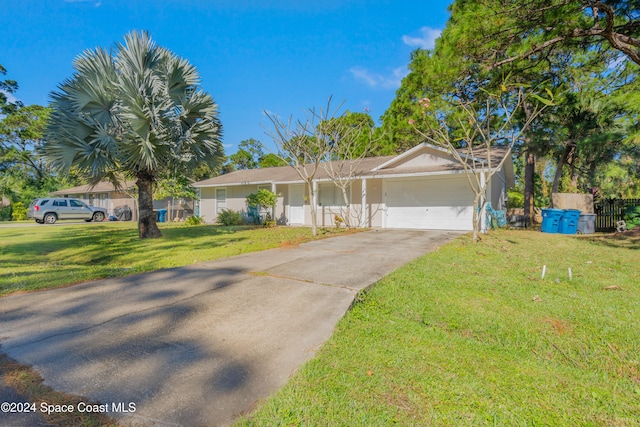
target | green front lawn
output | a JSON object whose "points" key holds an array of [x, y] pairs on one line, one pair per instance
{"points": [[471, 335], [42, 257]]}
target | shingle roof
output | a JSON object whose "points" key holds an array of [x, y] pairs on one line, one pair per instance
{"points": [[282, 174], [365, 168], [101, 187]]}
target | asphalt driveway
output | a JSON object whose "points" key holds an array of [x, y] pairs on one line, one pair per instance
{"points": [[200, 345]]}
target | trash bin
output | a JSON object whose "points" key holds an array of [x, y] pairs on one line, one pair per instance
{"points": [[253, 214], [551, 220], [162, 215], [569, 222], [122, 213], [587, 223]]}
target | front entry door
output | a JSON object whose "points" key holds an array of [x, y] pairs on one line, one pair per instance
{"points": [[296, 204]]}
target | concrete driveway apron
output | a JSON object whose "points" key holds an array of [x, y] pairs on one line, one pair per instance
{"points": [[200, 345]]}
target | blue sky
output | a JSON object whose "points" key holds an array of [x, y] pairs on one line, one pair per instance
{"points": [[282, 56]]}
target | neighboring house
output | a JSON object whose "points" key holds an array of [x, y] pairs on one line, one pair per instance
{"points": [[105, 195], [422, 188]]}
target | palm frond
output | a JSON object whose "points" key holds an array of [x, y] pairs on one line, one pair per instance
{"points": [[136, 109]]}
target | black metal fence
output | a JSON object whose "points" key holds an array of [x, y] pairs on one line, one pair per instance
{"points": [[610, 211]]}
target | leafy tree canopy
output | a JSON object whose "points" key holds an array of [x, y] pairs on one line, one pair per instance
{"points": [[7, 87], [271, 160], [135, 110]]}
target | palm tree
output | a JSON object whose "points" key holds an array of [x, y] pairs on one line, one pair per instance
{"points": [[136, 112]]}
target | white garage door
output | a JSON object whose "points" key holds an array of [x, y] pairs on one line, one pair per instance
{"points": [[429, 203]]}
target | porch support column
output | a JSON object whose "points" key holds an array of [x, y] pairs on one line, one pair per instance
{"points": [[363, 221], [273, 210], [483, 210]]}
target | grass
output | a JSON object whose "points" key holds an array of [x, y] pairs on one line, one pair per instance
{"points": [[44, 257], [29, 384], [472, 335], [36, 258]]}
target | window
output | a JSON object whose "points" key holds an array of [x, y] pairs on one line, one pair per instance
{"points": [[59, 203], [330, 195], [76, 203], [221, 199]]}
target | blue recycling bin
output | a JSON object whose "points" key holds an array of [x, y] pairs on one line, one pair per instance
{"points": [[569, 222], [551, 220], [162, 215]]}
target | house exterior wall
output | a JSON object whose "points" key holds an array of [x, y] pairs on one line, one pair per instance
{"points": [[237, 200], [375, 201], [237, 197], [498, 191], [330, 203], [282, 190], [208, 204], [375, 207]]}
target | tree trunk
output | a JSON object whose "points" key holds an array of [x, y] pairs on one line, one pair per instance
{"points": [[312, 205], [477, 218], [347, 215], [147, 225], [563, 160], [529, 170]]}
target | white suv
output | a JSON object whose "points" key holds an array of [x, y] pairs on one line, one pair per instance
{"points": [[50, 209]]}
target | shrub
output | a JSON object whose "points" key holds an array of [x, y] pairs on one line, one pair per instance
{"points": [[515, 199], [5, 213], [632, 217], [229, 217], [19, 212], [194, 220], [263, 200]]}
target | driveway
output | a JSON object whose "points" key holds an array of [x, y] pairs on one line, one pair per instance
{"points": [[200, 345]]}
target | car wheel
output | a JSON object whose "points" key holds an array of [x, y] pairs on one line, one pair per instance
{"points": [[50, 218], [98, 216]]}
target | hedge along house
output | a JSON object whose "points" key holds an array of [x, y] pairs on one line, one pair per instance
{"points": [[422, 188], [105, 195]]}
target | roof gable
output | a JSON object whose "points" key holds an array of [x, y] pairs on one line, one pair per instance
{"points": [[424, 155]]}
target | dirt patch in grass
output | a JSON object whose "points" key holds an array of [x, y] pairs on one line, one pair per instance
{"points": [[28, 383], [559, 326], [290, 244], [323, 233], [628, 239]]}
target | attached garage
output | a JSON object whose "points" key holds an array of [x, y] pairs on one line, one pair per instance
{"points": [[425, 187], [442, 202]]}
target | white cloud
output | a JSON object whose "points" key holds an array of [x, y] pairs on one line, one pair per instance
{"points": [[376, 80], [427, 40], [95, 3], [10, 97]]}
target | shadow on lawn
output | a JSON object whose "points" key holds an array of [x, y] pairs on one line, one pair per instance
{"points": [[136, 340], [626, 240], [101, 252]]}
